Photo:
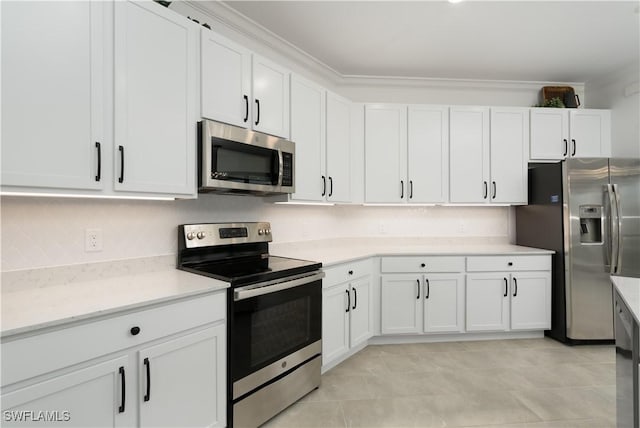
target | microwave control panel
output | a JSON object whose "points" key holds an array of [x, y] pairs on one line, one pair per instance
{"points": [[287, 169]]}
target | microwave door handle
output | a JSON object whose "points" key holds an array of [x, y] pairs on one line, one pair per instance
{"points": [[280, 167]]}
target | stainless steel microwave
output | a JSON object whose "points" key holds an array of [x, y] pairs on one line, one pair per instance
{"points": [[238, 160]]}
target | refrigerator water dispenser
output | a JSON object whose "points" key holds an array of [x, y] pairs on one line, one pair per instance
{"points": [[591, 224]]}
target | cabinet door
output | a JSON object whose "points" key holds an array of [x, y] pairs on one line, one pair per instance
{"points": [[509, 142], [361, 319], [335, 323], [469, 154], [182, 381], [87, 397], [308, 133], [590, 132], [155, 99], [443, 303], [225, 79], [549, 134], [270, 97], [530, 300], [52, 94], [428, 153], [338, 148], [385, 153], [487, 302], [401, 304]]}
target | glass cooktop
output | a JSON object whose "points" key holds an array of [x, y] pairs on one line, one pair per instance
{"points": [[251, 270]]}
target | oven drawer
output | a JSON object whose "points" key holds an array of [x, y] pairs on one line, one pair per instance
{"points": [[341, 273], [508, 263], [42, 353], [422, 264]]}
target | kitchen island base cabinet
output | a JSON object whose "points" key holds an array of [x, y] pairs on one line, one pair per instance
{"points": [[88, 396]]}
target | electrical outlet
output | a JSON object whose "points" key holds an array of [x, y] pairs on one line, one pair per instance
{"points": [[93, 240]]}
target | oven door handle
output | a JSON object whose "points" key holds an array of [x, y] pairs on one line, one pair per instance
{"points": [[269, 287]]}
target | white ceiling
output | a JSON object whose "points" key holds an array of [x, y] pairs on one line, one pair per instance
{"points": [[562, 41]]}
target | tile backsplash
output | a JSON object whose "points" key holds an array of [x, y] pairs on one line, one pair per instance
{"points": [[46, 232]]}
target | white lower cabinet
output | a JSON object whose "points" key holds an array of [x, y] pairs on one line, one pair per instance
{"points": [[509, 299], [158, 371], [86, 397], [347, 316], [430, 303]]}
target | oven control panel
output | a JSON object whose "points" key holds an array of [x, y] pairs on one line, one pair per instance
{"points": [[212, 234]]}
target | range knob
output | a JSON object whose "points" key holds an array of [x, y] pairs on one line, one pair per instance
{"points": [[268, 231], [200, 235], [190, 236], [261, 231]]}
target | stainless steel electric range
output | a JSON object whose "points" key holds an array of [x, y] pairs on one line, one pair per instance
{"points": [[274, 322]]}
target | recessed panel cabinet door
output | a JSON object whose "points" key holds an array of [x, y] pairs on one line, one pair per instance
{"points": [[91, 396], [52, 100], [385, 153], [509, 142], [182, 381], [155, 99], [443, 303], [361, 312], [226, 80], [428, 153], [335, 323], [487, 302], [270, 97], [401, 304], [308, 134], [549, 133], [338, 148], [530, 300], [469, 154], [590, 132]]}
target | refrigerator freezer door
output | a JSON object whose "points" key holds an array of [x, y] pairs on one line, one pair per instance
{"points": [[625, 178], [588, 288]]}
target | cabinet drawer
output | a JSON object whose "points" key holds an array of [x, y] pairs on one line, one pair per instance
{"points": [[422, 264], [507, 263], [42, 353], [340, 273]]}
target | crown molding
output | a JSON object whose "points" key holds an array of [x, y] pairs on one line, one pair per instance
{"points": [[229, 17]]}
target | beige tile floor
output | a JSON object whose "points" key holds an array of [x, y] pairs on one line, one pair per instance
{"points": [[528, 383]]}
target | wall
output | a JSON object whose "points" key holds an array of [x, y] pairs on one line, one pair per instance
{"points": [[44, 232], [620, 92]]}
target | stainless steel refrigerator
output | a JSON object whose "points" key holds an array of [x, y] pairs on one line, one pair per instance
{"points": [[588, 211]]}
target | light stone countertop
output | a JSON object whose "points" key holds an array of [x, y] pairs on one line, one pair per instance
{"points": [[41, 298], [335, 251], [629, 290]]}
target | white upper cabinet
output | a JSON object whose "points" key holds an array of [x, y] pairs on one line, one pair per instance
{"points": [[509, 146], [308, 133], [549, 134], [270, 97], [225, 80], [385, 153], [557, 134], [52, 94], [469, 154], [338, 149], [428, 153], [155, 99], [590, 133], [242, 88]]}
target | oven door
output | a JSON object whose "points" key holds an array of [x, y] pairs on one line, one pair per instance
{"points": [[274, 331]]}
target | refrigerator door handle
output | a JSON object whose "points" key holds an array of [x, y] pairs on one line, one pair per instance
{"points": [[609, 228], [617, 237]]}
